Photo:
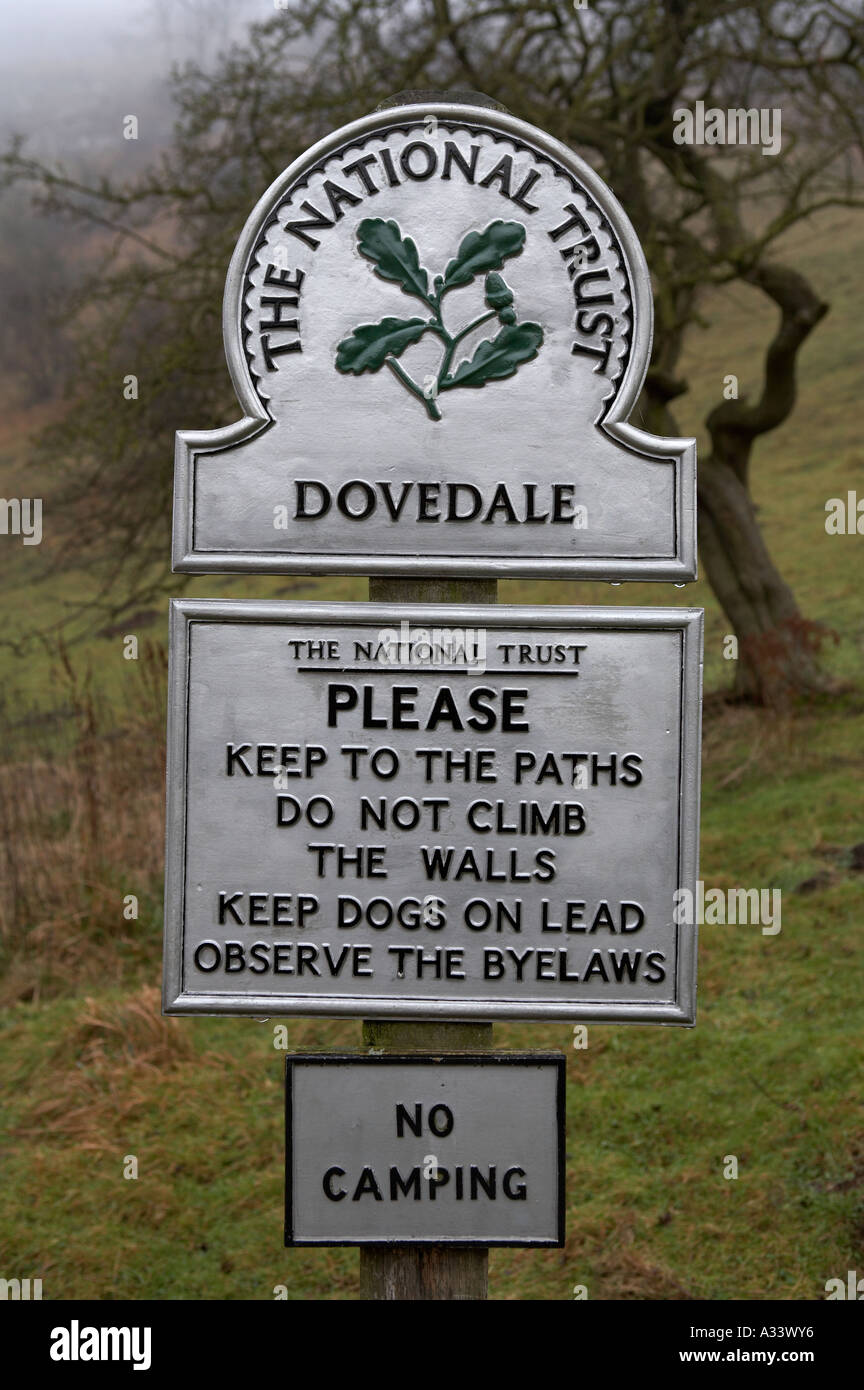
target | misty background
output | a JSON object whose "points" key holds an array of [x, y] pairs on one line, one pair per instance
{"points": [[70, 70]]}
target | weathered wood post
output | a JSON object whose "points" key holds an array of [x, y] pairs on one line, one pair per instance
{"points": [[424, 1271], [413, 1271], [418, 1271]]}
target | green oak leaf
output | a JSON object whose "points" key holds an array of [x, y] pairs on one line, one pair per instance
{"points": [[486, 250], [395, 257], [498, 293], [498, 357], [372, 343]]}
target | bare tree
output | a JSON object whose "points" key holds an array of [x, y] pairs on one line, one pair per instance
{"points": [[199, 26], [610, 79], [36, 282]]}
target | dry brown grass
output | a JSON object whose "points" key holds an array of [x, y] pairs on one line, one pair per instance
{"points": [[81, 829], [104, 1066]]}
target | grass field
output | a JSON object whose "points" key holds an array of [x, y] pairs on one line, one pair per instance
{"points": [[90, 1073]]}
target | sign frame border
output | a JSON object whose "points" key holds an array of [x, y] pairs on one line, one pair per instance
{"points": [[191, 446], [558, 1060], [185, 612]]}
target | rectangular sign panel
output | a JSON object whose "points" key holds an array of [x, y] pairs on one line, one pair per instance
{"points": [[420, 812], [408, 1148]]}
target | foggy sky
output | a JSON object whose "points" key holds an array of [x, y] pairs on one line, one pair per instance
{"points": [[70, 69]]}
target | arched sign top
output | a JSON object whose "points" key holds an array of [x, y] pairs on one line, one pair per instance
{"points": [[588, 239], [437, 321]]}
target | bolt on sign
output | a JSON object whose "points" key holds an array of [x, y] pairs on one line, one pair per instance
{"points": [[434, 812], [437, 322], [465, 1150]]}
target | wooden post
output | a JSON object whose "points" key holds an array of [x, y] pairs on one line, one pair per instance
{"points": [[426, 1271]]}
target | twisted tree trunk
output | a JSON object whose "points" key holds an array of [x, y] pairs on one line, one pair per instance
{"points": [[778, 648]]}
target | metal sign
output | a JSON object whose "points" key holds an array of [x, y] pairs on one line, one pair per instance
{"points": [[432, 812], [437, 322], [463, 1149]]}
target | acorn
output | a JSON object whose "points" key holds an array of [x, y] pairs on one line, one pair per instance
{"points": [[498, 293]]}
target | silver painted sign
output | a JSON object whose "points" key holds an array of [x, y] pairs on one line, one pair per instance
{"points": [[437, 322], [463, 1149], [433, 811]]}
